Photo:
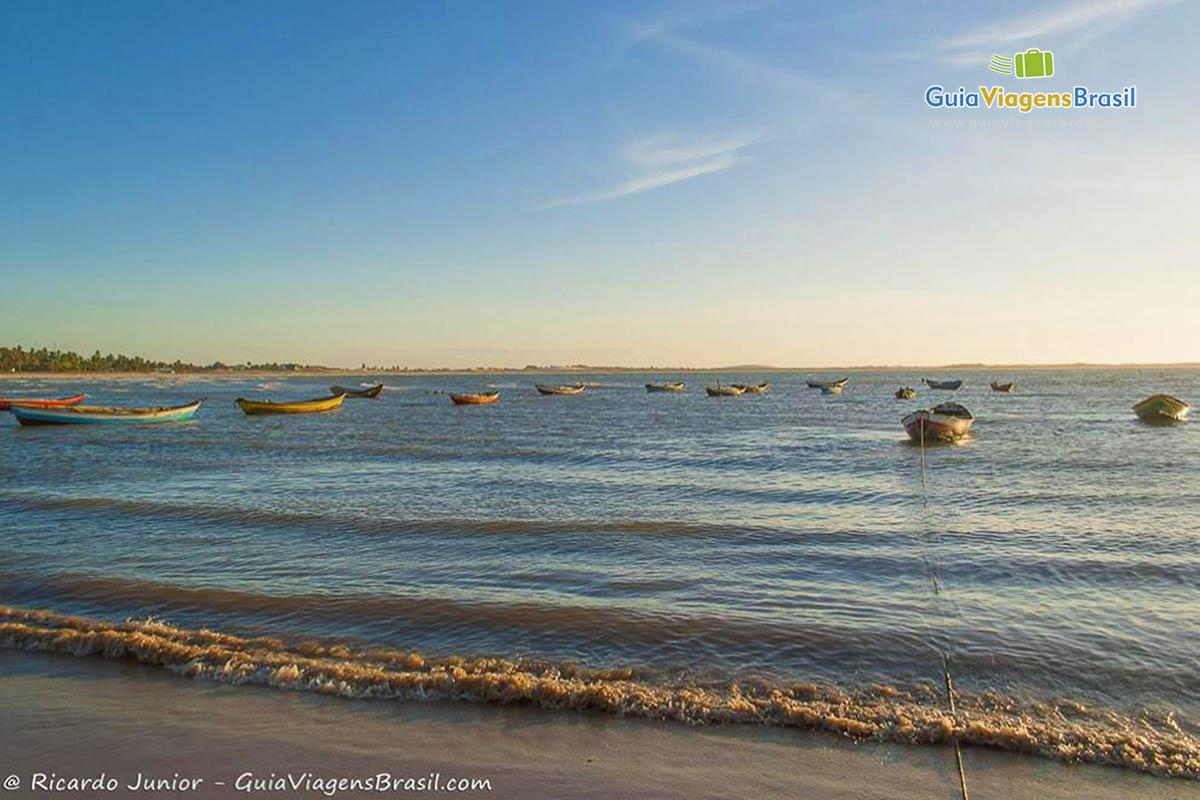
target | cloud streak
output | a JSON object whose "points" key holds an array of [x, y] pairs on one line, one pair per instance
{"points": [[1076, 23], [666, 160]]}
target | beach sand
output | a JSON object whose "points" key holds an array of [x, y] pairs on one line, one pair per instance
{"points": [[81, 717]]}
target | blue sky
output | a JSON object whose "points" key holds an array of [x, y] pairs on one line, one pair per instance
{"points": [[635, 183]]}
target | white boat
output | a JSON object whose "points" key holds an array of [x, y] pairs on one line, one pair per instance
{"points": [[545, 389], [947, 422], [825, 384]]}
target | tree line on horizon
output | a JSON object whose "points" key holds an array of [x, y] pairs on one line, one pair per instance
{"points": [[20, 359]]}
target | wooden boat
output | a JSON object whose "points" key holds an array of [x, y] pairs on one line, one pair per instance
{"points": [[1162, 408], [104, 415], [753, 389], [835, 388], [1006, 388], [677, 386], [370, 391], [949, 385], [7, 403], [905, 393], [947, 422], [822, 384], [475, 399], [314, 406], [723, 391], [544, 389]]}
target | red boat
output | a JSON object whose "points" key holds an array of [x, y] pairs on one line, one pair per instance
{"points": [[947, 422], [7, 403], [476, 399]]}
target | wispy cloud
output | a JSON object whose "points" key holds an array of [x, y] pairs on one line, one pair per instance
{"points": [[675, 34], [666, 160], [1074, 24]]}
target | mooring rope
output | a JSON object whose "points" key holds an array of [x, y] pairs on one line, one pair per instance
{"points": [[962, 772]]}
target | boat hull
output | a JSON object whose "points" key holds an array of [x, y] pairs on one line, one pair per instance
{"points": [[1162, 408], [1003, 388], [478, 399], [666, 387], [824, 384], [548, 390], [944, 385], [316, 406], [372, 391], [905, 393], [723, 391], [98, 415], [927, 427], [7, 403]]}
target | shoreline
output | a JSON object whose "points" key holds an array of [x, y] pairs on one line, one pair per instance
{"points": [[879, 714], [157, 724]]}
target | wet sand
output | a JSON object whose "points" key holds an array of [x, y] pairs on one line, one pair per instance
{"points": [[81, 716]]}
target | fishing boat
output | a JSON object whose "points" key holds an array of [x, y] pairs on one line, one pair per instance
{"points": [[7, 403], [314, 406], [759, 388], [822, 384], [906, 393], [544, 389], [1162, 408], [948, 385], [677, 386], [947, 422], [370, 391], [1006, 388], [835, 388], [475, 398], [104, 415], [723, 391]]}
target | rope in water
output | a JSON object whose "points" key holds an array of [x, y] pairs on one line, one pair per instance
{"points": [[962, 772]]}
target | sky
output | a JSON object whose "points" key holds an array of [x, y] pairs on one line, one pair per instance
{"points": [[692, 184]]}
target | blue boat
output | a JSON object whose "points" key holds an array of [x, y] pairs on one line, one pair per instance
{"points": [[104, 415]]}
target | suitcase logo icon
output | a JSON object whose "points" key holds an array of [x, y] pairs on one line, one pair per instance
{"points": [[1033, 63]]}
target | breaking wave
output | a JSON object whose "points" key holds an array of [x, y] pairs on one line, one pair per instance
{"points": [[1062, 730]]}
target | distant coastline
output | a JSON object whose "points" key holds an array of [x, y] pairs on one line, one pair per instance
{"points": [[254, 372], [19, 362]]}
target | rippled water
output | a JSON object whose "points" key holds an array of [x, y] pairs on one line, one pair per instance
{"points": [[776, 538]]}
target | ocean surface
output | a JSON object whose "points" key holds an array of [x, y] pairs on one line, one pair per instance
{"points": [[773, 558]]}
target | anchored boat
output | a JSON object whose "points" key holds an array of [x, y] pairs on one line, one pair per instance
{"points": [[1006, 388], [1162, 408], [947, 422], [7, 403], [677, 386], [906, 393], [753, 389], [824, 384], [475, 398], [315, 406], [723, 391], [371, 391], [949, 385], [544, 389], [104, 415]]}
